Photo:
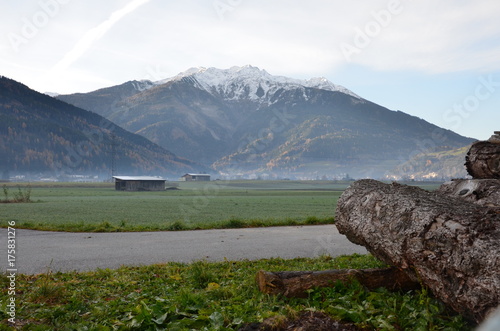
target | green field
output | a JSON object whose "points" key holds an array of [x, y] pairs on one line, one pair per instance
{"points": [[91, 207], [216, 204]]}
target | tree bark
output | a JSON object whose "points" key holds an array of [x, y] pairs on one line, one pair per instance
{"points": [[483, 192], [296, 283], [452, 246], [483, 159]]}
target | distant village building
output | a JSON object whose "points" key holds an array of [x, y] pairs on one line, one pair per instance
{"points": [[196, 177], [139, 183]]}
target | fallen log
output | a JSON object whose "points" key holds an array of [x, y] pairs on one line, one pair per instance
{"points": [[296, 283], [451, 246], [483, 192], [483, 159]]}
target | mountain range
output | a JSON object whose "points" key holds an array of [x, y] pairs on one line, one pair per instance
{"points": [[245, 121], [43, 135]]}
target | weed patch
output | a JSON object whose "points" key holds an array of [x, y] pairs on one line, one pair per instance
{"points": [[177, 226], [22, 195], [234, 223]]}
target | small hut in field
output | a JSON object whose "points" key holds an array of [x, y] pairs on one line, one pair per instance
{"points": [[196, 178], [139, 183]]}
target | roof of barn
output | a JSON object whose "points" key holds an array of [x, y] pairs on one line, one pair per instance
{"points": [[138, 178]]}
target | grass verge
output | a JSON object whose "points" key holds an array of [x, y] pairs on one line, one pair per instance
{"points": [[210, 296], [231, 223]]}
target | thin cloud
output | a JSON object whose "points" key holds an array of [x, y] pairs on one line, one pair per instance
{"points": [[96, 33]]}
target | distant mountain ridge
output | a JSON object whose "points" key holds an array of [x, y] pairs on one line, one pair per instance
{"points": [[249, 82], [40, 134], [244, 121]]}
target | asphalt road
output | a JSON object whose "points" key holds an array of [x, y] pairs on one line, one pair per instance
{"points": [[38, 251]]}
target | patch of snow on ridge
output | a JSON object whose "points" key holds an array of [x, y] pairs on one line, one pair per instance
{"points": [[250, 82], [142, 85], [324, 84]]}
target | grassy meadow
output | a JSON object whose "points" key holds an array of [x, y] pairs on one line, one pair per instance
{"points": [[212, 296], [191, 205]]}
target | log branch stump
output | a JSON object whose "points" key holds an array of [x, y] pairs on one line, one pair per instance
{"points": [[451, 246], [483, 192]]}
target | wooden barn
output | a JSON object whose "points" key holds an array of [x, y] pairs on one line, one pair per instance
{"points": [[196, 177], [139, 183]]}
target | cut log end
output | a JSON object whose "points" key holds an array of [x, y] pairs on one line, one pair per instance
{"points": [[483, 160]]}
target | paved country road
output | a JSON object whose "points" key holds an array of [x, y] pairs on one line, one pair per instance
{"points": [[37, 251]]}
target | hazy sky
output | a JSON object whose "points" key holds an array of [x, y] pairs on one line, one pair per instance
{"points": [[437, 60]]}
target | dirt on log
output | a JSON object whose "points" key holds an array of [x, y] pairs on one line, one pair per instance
{"points": [[483, 159], [296, 283], [452, 246], [483, 192]]}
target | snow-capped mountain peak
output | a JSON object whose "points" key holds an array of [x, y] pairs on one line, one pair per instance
{"points": [[249, 82]]}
